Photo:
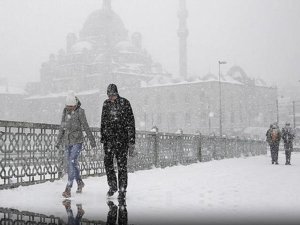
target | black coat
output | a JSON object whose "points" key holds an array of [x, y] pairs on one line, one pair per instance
{"points": [[117, 122], [288, 136]]}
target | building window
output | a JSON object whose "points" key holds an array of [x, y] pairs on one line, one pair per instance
{"points": [[201, 94], [172, 98], [241, 112], [203, 116], [158, 101], [146, 100], [187, 98]]}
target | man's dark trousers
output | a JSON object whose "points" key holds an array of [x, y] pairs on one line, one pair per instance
{"points": [[288, 151], [274, 151], [120, 151]]}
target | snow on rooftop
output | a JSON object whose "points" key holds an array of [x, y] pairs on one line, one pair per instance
{"points": [[260, 83], [63, 94], [160, 81]]}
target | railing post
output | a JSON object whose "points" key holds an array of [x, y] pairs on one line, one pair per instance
{"points": [[214, 141], [181, 153], [226, 148], [61, 162], [199, 147], [156, 150]]}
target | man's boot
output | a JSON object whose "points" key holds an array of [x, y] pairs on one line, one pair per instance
{"points": [[80, 185], [111, 192], [122, 195], [67, 192]]}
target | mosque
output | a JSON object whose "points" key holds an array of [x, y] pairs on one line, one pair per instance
{"points": [[104, 53]]}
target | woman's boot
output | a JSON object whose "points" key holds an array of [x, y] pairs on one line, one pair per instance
{"points": [[80, 185], [67, 192]]}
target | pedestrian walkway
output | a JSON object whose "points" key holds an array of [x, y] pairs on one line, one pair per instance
{"points": [[239, 189]]}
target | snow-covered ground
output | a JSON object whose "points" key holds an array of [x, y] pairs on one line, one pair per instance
{"points": [[240, 189]]}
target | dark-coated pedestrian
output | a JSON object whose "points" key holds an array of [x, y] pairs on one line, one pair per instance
{"points": [[288, 136], [118, 138], [273, 138]]}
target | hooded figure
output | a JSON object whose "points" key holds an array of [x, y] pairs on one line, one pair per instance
{"points": [[288, 136], [273, 138], [118, 137], [73, 123]]}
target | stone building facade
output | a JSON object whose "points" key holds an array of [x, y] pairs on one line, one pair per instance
{"points": [[193, 106]]}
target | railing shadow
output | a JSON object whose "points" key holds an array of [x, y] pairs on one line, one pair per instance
{"points": [[117, 214]]}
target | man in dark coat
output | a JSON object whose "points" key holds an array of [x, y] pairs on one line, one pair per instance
{"points": [[118, 138], [273, 138], [288, 135]]}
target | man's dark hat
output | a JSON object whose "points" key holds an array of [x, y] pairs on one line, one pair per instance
{"points": [[112, 90]]}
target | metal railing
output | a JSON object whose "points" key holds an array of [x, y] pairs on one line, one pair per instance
{"points": [[14, 216], [28, 155]]}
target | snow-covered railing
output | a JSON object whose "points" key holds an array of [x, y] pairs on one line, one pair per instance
{"points": [[28, 156]]}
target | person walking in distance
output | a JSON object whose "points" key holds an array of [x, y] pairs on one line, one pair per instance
{"points": [[118, 138], [288, 136], [273, 138], [71, 135]]}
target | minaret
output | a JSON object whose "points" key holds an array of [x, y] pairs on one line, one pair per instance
{"points": [[182, 34], [106, 4]]}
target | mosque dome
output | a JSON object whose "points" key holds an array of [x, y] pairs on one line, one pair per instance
{"points": [[104, 23]]}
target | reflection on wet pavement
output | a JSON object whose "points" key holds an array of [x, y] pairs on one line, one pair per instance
{"points": [[117, 214], [71, 219]]}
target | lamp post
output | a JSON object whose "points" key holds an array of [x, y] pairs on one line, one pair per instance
{"points": [[294, 112], [220, 95], [210, 115]]}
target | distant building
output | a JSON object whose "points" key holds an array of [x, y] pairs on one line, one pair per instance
{"points": [[288, 111], [193, 105], [11, 99], [289, 105], [103, 53]]}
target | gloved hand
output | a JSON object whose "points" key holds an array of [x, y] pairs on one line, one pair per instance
{"points": [[131, 148]]}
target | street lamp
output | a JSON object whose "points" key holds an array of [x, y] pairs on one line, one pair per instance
{"points": [[220, 95], [210, 115]]}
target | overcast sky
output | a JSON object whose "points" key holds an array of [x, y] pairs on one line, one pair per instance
{"points": [[261, 36]]}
